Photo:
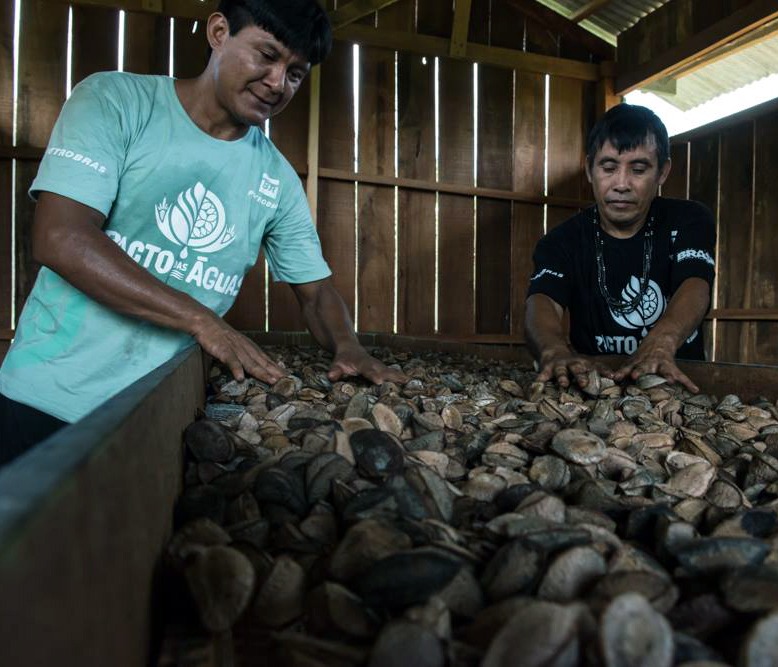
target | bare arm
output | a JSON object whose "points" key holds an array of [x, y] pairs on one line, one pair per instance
{"points": [[67, 238], [330, 324], [548, 342], [656, 353]]}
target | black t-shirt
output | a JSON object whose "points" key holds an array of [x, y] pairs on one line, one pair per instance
{"points": [[566, 270]]}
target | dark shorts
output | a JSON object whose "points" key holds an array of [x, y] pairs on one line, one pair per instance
{"points": [[22, 427]]}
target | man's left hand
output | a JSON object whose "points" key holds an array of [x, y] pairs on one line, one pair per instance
{"points": [[655, 355], [354, 360]]}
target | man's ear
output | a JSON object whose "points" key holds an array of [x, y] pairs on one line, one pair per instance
{"points": [[588, 169], [664, 172], [217, 30]]}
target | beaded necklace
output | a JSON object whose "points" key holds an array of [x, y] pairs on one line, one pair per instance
{"points": [[617, 305]]}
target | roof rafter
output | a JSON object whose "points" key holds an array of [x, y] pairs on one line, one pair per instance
{"points": [[460, 28], [355, 10], [591, 7]]}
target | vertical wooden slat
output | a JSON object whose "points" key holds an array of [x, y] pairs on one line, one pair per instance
{"points": [[676, 184], [704, 171], [529, 130], [6, 71], [190, 49], [248, 311], [6, 247], [765, 273], [336, 150], [493, 228], [146, 43], [42, 72], [289, 132], [95, 41], [456, 308], [557, 215], [526, 231], [566, 137], [376, 203], [416, 210], [735, 237]]}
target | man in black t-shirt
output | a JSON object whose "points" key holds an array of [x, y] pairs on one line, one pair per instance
{"points": [[634, 271]]}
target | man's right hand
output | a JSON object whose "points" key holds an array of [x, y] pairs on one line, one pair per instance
{"points": [[239, 353], [563, 364]]}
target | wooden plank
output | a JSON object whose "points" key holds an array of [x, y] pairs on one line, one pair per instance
{"points": [[6, 247], [416, 210], [95, 41], [337, 235], [566, 137], [527, 230], [487, 55], [456, 306], [556, 215], [765, 269], [688, 46], [450, 188], [400, 15], [289, 129], [460, 28], [26, 267], [42, 70], [677, 183], [704, 171], [456, 122], [336, 147], [493, 229], [106, 487], [248, 311], [356, 9], [146, 43], [6, 71], [529, 133], [190, 48], [735, 239], [314, 130], [376, 251], [434, 17]]}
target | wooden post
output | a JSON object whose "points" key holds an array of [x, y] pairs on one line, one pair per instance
{"points": [[312, 183]]}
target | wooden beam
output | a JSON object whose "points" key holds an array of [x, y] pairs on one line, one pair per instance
{"points": [[588, 9], [460, 29], [744, 314], [449, 188], [312, 179], [564, 26], [489, 55], [699, 46], [355, 10]]}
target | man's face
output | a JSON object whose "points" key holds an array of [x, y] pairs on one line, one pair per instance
{"points": [[255, 74], [625, 184]]}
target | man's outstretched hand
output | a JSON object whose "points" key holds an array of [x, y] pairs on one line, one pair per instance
{"points": [[655, 355], [563, 365], [354, 360]]}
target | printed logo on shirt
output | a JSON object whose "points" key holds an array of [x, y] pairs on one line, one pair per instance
{"points": [[540, 274], [695, 254], [77, 157], [196, 220], [267, 192], [647, 312], [673, 235]]}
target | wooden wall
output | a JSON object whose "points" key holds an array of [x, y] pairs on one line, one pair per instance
{"points": [[730, 166], [419, 244]]}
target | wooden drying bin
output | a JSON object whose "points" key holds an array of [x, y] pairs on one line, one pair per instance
{"points": [[84, 517]]}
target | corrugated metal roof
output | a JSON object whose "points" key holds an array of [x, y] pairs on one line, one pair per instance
{"points": [[608, 21], [684, 90]]}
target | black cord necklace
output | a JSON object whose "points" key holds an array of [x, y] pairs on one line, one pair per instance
{"points": [[618, 306]]}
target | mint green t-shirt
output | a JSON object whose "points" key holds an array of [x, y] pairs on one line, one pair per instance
{"points": [[191, 209]]}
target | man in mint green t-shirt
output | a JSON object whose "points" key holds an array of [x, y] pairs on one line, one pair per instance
{"points": [[153, 200]]}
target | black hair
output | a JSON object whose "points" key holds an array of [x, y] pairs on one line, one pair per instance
{"points": [[301, 25], [628, 126]]}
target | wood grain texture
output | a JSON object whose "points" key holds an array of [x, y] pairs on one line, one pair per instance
{"points": [[6, 71], [456, 305], [735, 233], [704, 171], [338, 238], [190, 49], [289, 129], [526, 231], [248, 311], [26, 268], [95, 41], [336, 140], [529, 133], [676, 184], [416, 210], [456, 122], [146, 43], [566, 137]]}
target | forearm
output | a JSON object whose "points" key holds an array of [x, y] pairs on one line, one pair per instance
{"points": [[78, 251], [684, 314], [328, 319], [544, 327]]}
